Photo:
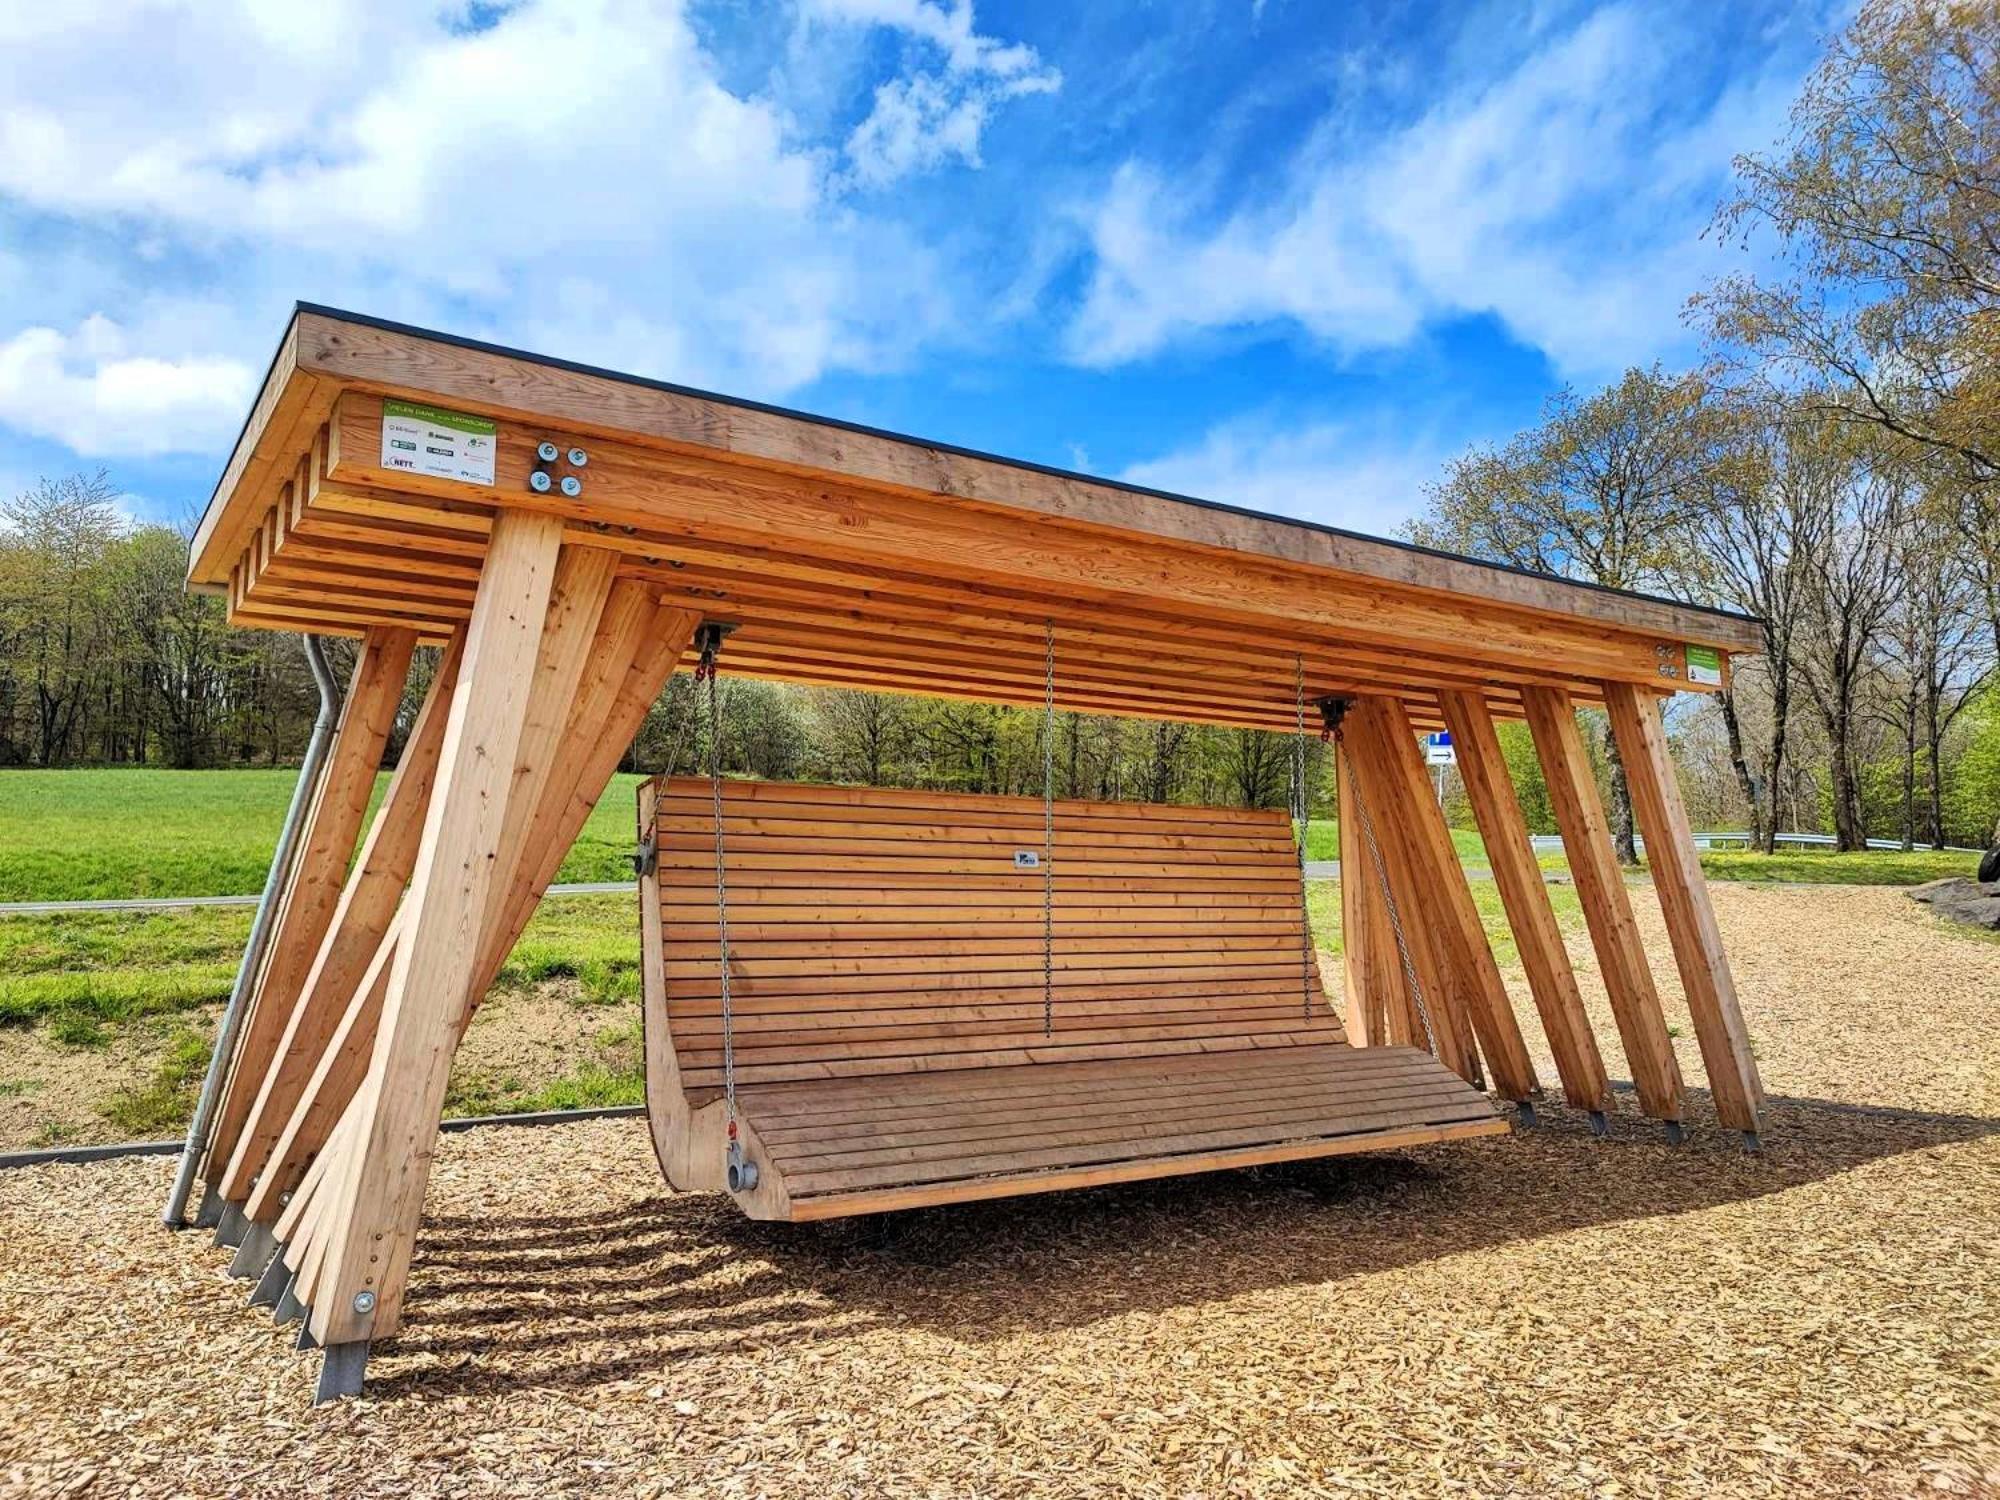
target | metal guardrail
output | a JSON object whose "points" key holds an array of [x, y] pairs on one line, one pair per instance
{"points": [[1552, 843]]}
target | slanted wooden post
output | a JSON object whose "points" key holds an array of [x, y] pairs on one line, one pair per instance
{"points": [[333, 822], [637, 644], [1412, 887], [1593, 863], [366, 908], [1511, 853], [1380, 1011], [1472, 969], [1677, 876], [385, 1166]]}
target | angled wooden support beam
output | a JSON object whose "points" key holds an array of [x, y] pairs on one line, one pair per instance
{"points": [[1471, 968], [375, 1211], [1411, 903], [1524, 894], [1683, 891], [363, 914], [1380, 1011], [1607, 906], [640, 640], [333, 822], [336, 1072], [636, 645]]}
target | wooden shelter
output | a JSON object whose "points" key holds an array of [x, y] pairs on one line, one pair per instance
{"points": [[941, 1017]]}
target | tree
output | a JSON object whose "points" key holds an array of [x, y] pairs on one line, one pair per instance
{"points": [[59, 609], [1756, 535], [1937, 649], [860, 736], [1860, 502], [1610, 488], [1885, 206]]}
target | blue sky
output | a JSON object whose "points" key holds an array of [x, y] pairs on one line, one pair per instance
{"points": [[1285, 254]]}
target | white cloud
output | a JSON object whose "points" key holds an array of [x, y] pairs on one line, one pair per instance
{"points": [[921, 122], [949, 27], [1366, 478], [573, 175], [1551, 197], [88, 390]]}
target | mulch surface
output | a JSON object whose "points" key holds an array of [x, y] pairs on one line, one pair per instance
{"points": [[1540, 1314]]}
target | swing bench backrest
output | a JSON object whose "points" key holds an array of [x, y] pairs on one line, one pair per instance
{"points": [[882, 931]]}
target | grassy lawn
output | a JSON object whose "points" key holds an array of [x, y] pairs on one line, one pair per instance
{"points": [[141, 992], [1811, 867], [1323, 907], [79, 971], [96, 835], [1323, 842]]}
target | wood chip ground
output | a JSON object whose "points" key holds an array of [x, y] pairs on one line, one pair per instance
{"points": [[1543, 1314]]}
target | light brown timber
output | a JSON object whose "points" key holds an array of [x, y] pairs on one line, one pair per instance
{"points": [[1607, 906], [1683, 890], [1525, 895]]}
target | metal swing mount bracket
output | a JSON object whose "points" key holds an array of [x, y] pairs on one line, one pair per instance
{"points": [[1332, 714], [709, 636], [740, 1170]]}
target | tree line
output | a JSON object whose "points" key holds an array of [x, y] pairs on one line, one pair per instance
{"points": [[1831, 467]]}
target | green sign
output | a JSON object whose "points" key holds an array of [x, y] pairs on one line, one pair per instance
{"points": [[1704, 665], [437, 416]]}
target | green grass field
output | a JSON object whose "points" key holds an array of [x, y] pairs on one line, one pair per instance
{"points": [[104, 834]]}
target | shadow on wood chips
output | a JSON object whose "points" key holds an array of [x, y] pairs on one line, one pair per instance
{"points": [[511, 1301]]}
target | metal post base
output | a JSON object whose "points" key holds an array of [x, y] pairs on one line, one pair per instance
{"points": [[1599, 1126], [1751, 1145], [1676, 1135], [254, 1254], [271, 1285], [230, 1227], [1525, 1108], [288, 1305], [305, 1339], [210, 1213], [341, 1371]]}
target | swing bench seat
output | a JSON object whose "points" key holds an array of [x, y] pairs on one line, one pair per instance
{"points": [[894, 1042]]}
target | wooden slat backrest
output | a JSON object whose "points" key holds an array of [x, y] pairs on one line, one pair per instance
{"points": [[887, 931]]}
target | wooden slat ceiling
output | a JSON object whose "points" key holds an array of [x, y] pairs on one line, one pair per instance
{"points": [[852, 558]]}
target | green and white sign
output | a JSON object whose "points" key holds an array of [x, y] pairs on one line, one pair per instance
{"points": [[1704, 665], [441, 444]]}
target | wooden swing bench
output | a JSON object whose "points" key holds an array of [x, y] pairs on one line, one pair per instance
{"points": [[909, 1028]]}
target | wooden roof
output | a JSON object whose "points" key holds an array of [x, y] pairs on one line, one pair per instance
{"points": [[855, 557]]}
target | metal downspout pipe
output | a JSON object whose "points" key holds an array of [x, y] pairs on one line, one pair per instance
{"points": [[311, 768]]}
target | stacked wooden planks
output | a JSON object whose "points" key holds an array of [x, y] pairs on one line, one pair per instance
{"points": [[997, 1132], [885, 931]]}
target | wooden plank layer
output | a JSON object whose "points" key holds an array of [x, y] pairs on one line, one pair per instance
{"points": [[1033, 1129], [835, 989]]}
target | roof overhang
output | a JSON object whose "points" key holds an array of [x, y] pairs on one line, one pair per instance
{"points": [[856, 557]]}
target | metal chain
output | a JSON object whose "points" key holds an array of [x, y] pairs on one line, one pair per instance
{"points": [[1395, 917], [1049, 829], [1301, 824], [707, 668], [650, 835]]}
